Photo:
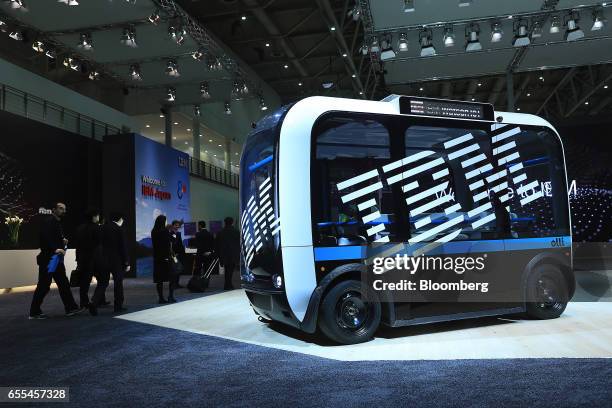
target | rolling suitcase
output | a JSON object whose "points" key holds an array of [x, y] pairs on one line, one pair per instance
{"points": [[199, 282]]}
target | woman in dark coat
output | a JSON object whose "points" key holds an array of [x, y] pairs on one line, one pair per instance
{"points": [[162, 258]]}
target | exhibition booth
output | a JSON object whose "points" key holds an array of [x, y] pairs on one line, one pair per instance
{"points": [[128, 173]]}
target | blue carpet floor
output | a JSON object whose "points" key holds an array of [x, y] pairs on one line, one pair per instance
{"points": [[112, 362]]}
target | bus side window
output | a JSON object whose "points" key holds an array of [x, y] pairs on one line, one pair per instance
{"points": [[539, 205], [349, 199]]}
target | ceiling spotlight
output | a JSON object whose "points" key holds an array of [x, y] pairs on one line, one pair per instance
{"points": [[472, 35], [402, 43], [408, 6], [171, 94], [573, 31], [262, 104], [521, 34], [449, 36], [172, 69], [214, 64], [299, 84], [85, 42], [196, 111], [427, 48], [17, 5], [16, 35], [177, 33], [355, 12], [204, 91], [3, 26], [227, 108], [198, 55], [72, 63], [536, 30], [69, 2], [128, 38], [38, 46], [135, 73], [243, 17], [332, 28], [51, 54], [541, 78], [286, 66], [344, 55], [155, 17], [267, 44], [94, 75], [364, 49], [354, 76], [387, 52], [555, 25], [598, 20], [374, 45], [496, 32]]}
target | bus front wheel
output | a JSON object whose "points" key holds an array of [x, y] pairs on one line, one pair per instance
{"points": [[346, 316], [547, 293]]}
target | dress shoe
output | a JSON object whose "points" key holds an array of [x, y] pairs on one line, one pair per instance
{"points": [[162, 301], [39, 316], [74, 312], [171, 300], [93, 310]]}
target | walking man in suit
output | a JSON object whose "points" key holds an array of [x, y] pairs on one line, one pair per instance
{"points": [[88, 241], [52, 242], [114, 261]]}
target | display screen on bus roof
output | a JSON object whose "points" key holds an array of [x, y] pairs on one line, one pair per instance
{"points": [[446, 109]]}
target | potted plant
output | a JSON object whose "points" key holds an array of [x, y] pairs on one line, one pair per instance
{"points": [[13, 224]]}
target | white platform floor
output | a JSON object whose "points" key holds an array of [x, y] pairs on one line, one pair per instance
{"points": [[584, 331]]}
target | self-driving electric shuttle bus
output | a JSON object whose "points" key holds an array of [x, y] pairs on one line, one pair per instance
{"points": [[326, 182]]}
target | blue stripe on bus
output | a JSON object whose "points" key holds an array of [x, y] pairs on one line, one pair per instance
{"points": [[260, 163], [457, 247]]}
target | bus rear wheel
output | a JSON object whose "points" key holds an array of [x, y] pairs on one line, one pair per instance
{"points": [[346, 317], [547, 293]]}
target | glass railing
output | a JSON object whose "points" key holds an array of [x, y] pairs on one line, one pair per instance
{"points": [[213, 173], [21, 103]]}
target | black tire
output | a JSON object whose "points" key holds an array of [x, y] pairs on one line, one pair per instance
{"points": [[345, 317], [546, 293]]}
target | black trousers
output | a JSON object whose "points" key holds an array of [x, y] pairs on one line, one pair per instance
{"points": [[103, 282], [43, 285], [229, 272], [86, 272]]}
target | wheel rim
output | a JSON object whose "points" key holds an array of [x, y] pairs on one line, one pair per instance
{"points": [[351, 311], [548, 294]]}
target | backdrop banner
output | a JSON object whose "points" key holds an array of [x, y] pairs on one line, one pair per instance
{"points": [[161, 186]]}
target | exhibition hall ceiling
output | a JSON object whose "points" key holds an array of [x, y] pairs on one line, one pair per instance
{"points": [[346, 48], [131, 44]]}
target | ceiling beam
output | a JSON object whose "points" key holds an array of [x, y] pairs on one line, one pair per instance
{"points": [[600, 106], [522, 88], [568, 76], [263, 17], [338, 35], [471, 89], [497, 90], [584, 96]]}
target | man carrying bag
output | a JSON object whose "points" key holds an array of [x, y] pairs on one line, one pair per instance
{"points": [[50, 262]]}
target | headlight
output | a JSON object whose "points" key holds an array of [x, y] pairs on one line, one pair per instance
{"points": [[249, 277], [277, 281]]}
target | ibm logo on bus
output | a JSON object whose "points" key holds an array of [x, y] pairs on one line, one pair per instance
{"points": [[424, 180], [258, 222]]}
